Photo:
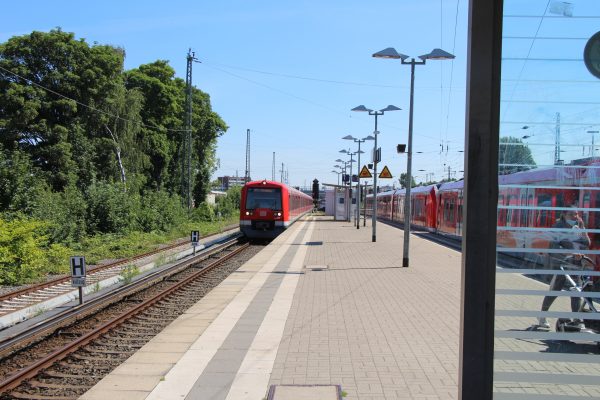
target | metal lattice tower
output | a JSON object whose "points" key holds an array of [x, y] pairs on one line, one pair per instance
{"points": [[273, 167], [247, 176], [186, 143]]}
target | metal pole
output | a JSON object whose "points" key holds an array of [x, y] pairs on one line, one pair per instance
{"points": [[374, 218], [407, 200], [350, 189], [358, 190], [365, 207], [80, 295]]}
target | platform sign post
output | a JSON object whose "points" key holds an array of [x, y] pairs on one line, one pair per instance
{"points": [[78, 274], [195, 237]]}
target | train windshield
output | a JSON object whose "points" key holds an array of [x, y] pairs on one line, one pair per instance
{"points": [[258, 197]]}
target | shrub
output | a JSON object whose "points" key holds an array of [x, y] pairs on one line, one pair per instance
{"points": [[111, 209], [160, 211], [25, 251]]}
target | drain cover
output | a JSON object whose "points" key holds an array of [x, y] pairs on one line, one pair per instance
{"points": [[317, 267], [305, 392]]}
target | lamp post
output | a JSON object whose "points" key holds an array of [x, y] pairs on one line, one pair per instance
{"points": [[362, 108], [593, 145], [346, 164], [338, 175], [436, 54], [348, 152], [358, 192]]}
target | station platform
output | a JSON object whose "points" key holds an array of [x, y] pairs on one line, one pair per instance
{"points": [[320, 313]]}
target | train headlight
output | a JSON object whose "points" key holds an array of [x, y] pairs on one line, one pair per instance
{"points": [[278, 214], [247, 212]]}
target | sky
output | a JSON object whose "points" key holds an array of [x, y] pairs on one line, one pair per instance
{"points": [[291, 71]]}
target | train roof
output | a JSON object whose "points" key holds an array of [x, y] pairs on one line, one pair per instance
{"points": [[452, 185], [265, 182]]}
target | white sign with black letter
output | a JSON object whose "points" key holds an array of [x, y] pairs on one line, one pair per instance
{"points": [[78, 271], [195, 238]]}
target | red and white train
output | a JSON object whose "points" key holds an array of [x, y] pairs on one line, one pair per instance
{"points": [[267, 208], [529, 203]]}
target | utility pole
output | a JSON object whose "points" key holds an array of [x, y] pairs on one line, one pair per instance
{"points": [[186, 143], [281, 170], [273, 168], [448, 173], [557, 141], [247, 177]]}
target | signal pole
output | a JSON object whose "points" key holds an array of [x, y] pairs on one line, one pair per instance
{"points": [[247, 177]]}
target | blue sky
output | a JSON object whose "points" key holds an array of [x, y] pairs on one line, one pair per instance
{"points": [[302, 120]]}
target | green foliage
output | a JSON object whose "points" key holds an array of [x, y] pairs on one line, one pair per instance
{"points": [[229, 206], [25, 252], [512, 150], [128, 273], [98, 175], [204, 212], [402, 181], [111, 209], [160, 211]]}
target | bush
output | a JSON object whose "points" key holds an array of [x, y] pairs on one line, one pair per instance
{"points": [[204, 212], [66, 213], [25, 252], [111, 209], [160, 211]]}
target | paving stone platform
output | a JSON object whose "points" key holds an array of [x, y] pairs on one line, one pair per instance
{"points": [[321, 306]]}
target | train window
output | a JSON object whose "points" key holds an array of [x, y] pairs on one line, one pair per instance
{"points": [[259, 197], [543, 200]]}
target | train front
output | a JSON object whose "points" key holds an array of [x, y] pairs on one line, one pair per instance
{"points": [[262, 209]]}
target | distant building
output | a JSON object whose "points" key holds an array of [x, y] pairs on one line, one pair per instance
{"points": [[212, 196], [230, 181]]}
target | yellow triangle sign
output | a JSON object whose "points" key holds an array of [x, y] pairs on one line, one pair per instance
{"points": [[385, 173], [365, 173]]}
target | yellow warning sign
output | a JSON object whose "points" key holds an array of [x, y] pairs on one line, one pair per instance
{"points": [[365, 173], [385, 173]]}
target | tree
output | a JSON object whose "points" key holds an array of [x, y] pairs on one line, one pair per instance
{"points": [[514, 156], [402, 181], [38, 114]]}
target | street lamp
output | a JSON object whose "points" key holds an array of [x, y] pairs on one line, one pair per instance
{"points": [[348, 152], [436, 54], [362, 108], [338, 174], [359, 152], [593, 145]]}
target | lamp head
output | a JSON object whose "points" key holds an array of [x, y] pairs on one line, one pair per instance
{"points": [[437, 54], [343, 151], [338, 160], [390, 52], [361, 108], [370, 137], [391, 108], [349, 137]]}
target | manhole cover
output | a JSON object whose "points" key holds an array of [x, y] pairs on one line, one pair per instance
{"points": [[317, 267], [305, 392]]}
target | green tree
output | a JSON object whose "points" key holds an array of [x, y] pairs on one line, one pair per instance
{"points": [[38, 114], [514, 156], [402, 181]]}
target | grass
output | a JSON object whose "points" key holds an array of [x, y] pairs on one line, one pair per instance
{"points": [[110, 246], [128, 273]]}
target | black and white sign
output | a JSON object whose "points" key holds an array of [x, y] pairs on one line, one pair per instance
{"points": [[195, 238], [78, 271]]}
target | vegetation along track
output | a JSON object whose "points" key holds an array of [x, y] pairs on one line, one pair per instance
{"points": [[34, 294], [70, 361]]}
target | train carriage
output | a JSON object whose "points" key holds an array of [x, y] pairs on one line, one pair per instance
{"points": [[267, 208]]}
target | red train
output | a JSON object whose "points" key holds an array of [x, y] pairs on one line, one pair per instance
{"points": [[529, 202], [268, 208]]}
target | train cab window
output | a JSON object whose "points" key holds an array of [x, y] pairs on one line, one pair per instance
{"points": [[542, 216], [260, 197]]}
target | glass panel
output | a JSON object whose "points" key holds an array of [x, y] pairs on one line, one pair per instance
{"points": [[263, 198], [547, 324]]}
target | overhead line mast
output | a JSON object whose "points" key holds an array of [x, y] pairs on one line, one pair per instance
{"points": [[186, 143], [247, 177]]}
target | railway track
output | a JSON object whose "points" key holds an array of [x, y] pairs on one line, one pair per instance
{"points": [[63, 358], [17, 302]]}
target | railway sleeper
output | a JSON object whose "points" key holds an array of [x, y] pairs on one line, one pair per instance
{"points": [[31, 396], [62, 375], [112, 350], [91, 358], [61, 385]]}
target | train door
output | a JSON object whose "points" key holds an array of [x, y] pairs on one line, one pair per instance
{"points": [[459, 221]]}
